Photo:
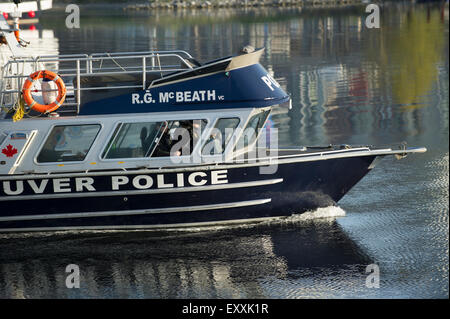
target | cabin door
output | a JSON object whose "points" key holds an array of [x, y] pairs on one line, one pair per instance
{"points": [[13, 148]]}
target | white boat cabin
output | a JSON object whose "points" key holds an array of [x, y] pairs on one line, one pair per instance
{"points": [[106, 142]]}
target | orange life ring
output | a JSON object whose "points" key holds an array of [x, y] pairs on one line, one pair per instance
{"points": [[44, 108]]}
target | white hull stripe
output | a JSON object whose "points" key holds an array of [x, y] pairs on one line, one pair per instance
{"points": [[147, 191], [183, 209], [129, 228]]}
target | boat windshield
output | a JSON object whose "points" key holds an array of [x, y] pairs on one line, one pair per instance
{"points": [[180, 139]]}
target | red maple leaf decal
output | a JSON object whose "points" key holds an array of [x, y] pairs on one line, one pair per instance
{"points": [[9, 151]]}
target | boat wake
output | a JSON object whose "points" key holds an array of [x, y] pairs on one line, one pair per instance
{"points": [[321, 214]]}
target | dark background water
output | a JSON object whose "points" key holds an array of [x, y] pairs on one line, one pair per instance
{"points": [[349, 84]]}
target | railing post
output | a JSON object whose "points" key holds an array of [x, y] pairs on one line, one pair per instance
{"points": [[2, 84], [144, 72], [90, 63], [78, 86], [19, 80]]}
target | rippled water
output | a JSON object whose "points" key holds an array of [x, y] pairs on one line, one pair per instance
{"points": [[349, 84]]}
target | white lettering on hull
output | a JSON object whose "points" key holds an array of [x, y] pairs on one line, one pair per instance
{"points": [[118, 180], [176, 96], [84, 183], [61, 185], [58, 185], [112, 183], [270, 82], [197, 182], [38, 189], [9, 191]]}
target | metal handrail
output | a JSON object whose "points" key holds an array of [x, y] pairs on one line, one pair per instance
{"points": [[145, 52], [93, 58], [89, 69], [96, 73], [106, 53]]}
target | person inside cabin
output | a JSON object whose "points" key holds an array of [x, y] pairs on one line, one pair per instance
{"points": [[166, 143], [180, 139], [197, 126], [191, 133]]}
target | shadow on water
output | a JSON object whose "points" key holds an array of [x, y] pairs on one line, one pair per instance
{"points": [[228, 263]]}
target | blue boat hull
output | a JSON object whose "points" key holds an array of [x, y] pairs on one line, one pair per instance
{"points": [[115, 200]]}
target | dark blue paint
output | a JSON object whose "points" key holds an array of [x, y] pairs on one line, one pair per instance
{"points": [[241, 88], [306, 186]]}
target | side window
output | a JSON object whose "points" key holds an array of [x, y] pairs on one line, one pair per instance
{"points": [[180, 138], [252, 130], [220, 136], [3, 136], [134, 140], [67, 143]]}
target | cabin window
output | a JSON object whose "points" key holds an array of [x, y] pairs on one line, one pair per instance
{"points": [[252, 130], [134, 140], [220, 136], [180, 138], [68, 143], [3, 136]]}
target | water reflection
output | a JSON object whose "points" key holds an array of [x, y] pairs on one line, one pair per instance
{"points": [[415, 45], [248, 262]]}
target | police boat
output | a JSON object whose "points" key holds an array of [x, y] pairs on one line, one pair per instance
{"points": [[155, 140]]}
